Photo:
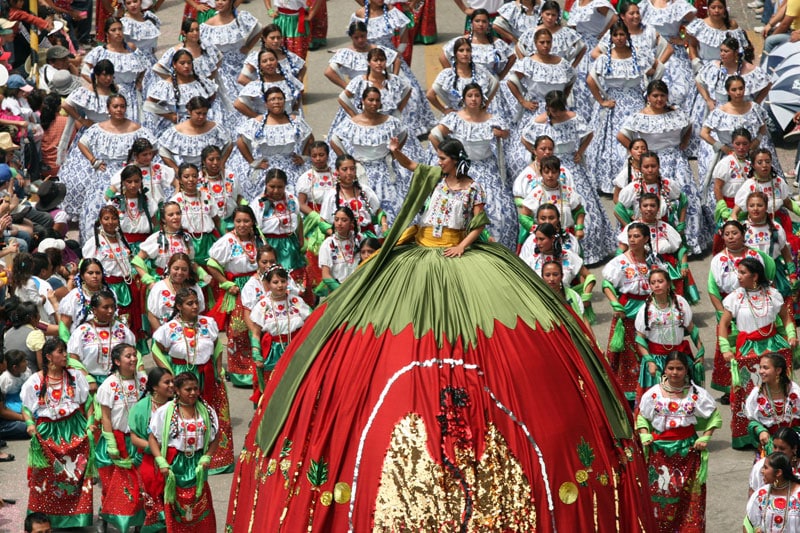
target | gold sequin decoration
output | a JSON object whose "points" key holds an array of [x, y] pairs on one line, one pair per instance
{"points": [[568, 492], [341, 492], [418, 494], [326, 498]]}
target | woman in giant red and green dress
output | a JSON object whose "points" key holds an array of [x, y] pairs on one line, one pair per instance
{"points": [[755, 308]]}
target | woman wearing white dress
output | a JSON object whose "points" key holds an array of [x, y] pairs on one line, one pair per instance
{"points": [[276, 140], [250, 102], [395, 93], [488, 52], [366, 136], [591, 19], [233, 33], [382, 24], [719, 125], [102, 151], [445, 93], [711, 83], [182, 142], [350, 62], [567, 42], [481, 134], [668, 17], [167, 100], [207, 59], [615, 80], [130, 65]]}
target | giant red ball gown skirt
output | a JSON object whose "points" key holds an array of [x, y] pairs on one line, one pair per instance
{"points": [[441, 394]]}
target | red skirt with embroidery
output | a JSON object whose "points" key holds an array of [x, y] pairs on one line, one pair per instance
{"points": [[625, 364], [63, 490], [678, 497], [122, 504]]}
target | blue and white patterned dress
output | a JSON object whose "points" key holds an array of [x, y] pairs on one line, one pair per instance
{"points": [[380, 31], [370, 147], [663, 134], [722, 125], [88, 105], [536, 79], [485, 151], [252, 95], [205, 66], [588, 22], [161, 100], [678, 74], [709, 40], [516, 19], [182, 148], [394, 89], [145, 36], [568, 136], [85, 186], [493, 56], [274, 144], [567, 43], [348, 63], [127, 68], [291, 63], [449, 87], [623, 81], [712, 78], [229, 39]]}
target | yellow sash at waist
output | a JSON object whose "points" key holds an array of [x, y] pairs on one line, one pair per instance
{"points": [[450, 237]]}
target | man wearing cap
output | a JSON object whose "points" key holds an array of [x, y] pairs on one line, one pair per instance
{"points": [[57, 59]]}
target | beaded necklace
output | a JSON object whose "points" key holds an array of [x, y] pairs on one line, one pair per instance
{"points": [[274, 312], [342, 249], [129, 395], [185, 424], [103, 353], [772, 409], [189, 332], [119, 257]]}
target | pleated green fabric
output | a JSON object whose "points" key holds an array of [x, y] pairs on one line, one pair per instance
{"points": [[452, 297]]}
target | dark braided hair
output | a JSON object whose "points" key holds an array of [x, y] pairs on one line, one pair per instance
{"points": [[247, 210], [51, 345], [489, 35], [104, 66], [83, 314], [139, 145], [356, 186], [98, 298], [180, 297], [672, 296], [141, 197], [110, 21], [97, 225], [551, 232], [461, 41], [163, 241]]}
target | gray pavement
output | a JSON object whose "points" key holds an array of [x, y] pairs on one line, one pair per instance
{"points": [[728, 471]]}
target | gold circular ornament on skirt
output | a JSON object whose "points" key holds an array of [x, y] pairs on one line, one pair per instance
{"points": [[341, 492], [568, 492], [326, 498]]}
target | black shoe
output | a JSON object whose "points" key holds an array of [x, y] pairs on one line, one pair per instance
{"points": [[725, 399]]}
